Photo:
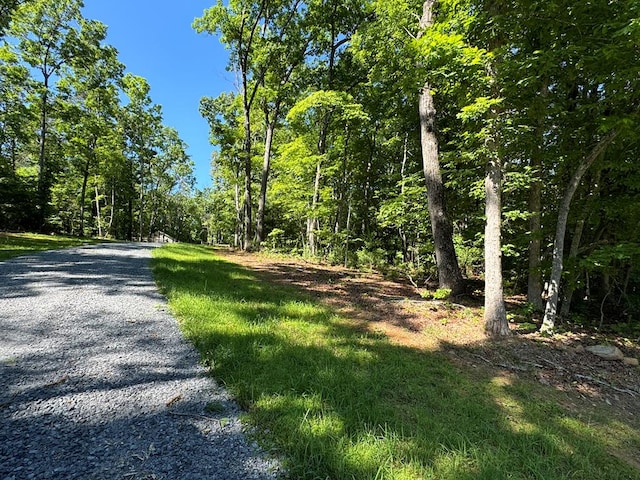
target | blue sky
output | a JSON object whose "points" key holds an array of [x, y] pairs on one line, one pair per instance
{"points": [[155, 41]]}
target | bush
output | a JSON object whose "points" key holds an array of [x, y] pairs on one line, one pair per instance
{"points": [[371, 259]]}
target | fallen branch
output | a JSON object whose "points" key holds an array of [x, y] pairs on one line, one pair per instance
{"points": [[509, 366], [195, 415], [415, 285], [633, 393], [554, 365], [481, 358]]}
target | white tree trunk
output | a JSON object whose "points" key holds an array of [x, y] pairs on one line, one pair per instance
{"points": [[549, 321]]}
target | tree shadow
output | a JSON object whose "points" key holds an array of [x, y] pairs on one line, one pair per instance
{"points": [[107, 390], [354, 405]]}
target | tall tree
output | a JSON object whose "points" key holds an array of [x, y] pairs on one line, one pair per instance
{"points": [[333, 24], [449, 276], [225, 119], [7, 7], [551, 308], [495, 313], [286, 49], [47, 39], [242, 25], [142, 123], [89, 95]]}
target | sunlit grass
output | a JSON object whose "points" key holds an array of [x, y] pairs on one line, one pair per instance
{"points": [[342, 403], [17, 244]]}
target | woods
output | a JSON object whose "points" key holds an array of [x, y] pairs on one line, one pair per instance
{"points": [[83, 147], [445, 142]]}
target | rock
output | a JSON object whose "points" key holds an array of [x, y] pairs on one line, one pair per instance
{"points": [[608, 352], [579, 349], [630, 361]]}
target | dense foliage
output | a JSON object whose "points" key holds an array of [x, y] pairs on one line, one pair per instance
{"points": [[521, 116], [542, 96], [83, 150]]}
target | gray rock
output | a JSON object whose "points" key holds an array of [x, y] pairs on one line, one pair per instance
{"points": [[631, 361], [608, 352]]}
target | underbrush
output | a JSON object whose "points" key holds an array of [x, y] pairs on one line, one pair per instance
{"points": [[337, 401]]}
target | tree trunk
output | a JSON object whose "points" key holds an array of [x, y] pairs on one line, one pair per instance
{"points": [[140, 213], [98, 211], [347, 239], [548, 323], [495, 314], [112, 213], [576, 239], [449, 276], [573, 252], [43, 174], [312, 221], [237, 238], [403, 235], [85, 180], [83, 194], [246, 244], [130, 220], [265, 178], [534, 284]]}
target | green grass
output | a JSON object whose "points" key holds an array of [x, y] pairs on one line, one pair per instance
{"points": [[16, 244], [340, 403]]}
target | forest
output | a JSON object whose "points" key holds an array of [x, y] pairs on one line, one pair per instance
{"points": [[461, 144]]}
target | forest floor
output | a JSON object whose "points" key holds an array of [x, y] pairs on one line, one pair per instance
{"points": [[582, 380]]}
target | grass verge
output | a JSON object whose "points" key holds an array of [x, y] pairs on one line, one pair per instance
{"points": [[341, 403], [16, 244]]}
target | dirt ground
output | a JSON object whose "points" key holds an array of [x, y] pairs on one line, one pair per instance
{"points": [[456, 329]]}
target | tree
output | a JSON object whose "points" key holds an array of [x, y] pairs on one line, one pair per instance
{"points": [[449, 276], [286, 49], [47, 40], [551, 308], [7, 7], [239, 24], [309, 119], [225, 119], [141, 122], [89, 98]]}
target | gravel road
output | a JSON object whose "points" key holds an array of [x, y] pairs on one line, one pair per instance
{"points": [[96, 381]]}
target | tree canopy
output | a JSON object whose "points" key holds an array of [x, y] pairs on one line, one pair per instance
{"points": [[95, 163], [445, 142]]}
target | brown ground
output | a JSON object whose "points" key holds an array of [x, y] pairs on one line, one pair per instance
{"points": [[397, 310]]}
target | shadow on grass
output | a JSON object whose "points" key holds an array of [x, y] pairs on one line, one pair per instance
{"points": [[341, 402]]}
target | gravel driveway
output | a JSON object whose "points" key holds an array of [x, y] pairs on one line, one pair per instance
{"points": [[96, 381]]}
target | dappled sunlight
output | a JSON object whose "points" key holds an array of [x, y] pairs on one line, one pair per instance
{"points": [[513, 411], [343, 401]]}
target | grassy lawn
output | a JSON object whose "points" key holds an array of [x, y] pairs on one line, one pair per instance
{"points": [[16, 244], [340, 403]]}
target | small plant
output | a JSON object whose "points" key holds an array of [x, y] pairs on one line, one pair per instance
{"points": [[426, 294], [526, 310], [442, 294], [275, 238]]}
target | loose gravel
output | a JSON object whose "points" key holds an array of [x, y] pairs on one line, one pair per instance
{"points": [[97, 382]]}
